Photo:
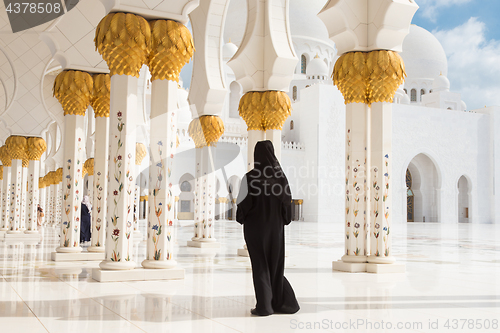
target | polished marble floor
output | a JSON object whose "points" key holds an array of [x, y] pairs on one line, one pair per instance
{"points": [[452, 284]]}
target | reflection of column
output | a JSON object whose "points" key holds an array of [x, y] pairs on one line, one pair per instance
{"points": [[17, 149], [100, 104], [24, 194], [7, 162], [36, 147], [125, 51], [140, 153], [73, 89], [165, 63]]}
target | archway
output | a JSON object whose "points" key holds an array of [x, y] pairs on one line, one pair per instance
{"points": [[233, 187], [463, 200], [186, 197], [425, 190]]}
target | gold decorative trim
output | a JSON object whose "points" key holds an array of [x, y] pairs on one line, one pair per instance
{"points": [[143, 198], [41, 182], [73, 89], [58, 176], [36, 147], [140, 153], [124, 41], [101, 95], [26, 163], [16, 146], [369, 77], [265, 110], [206, 130], [1, 172], [89, 166], [172, 47]]}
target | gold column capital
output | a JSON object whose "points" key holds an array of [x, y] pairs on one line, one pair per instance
{"points": [[369, 77], [16, 146], [26, 163], [265, 110], [206, 130], [124, 41], [36, 147], [101, 96], [89, 166], [73, 89], [41, 182], [172, 47], [5, 156], [140, 153], [58, 176], [1, 172]]}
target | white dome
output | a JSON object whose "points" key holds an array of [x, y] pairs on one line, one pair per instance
{"points": [[228, 51], [423, 55], [317, 67], [464, 106], [441, 83], [303, 20]]}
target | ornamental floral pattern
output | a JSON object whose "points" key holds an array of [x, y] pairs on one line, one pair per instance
{"points": [[347, 194], [386, 228], [117, 194], [97, 209]]}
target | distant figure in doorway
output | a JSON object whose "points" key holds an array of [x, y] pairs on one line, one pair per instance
{"points": [[85, 220], [264, 208], [39, 215]]}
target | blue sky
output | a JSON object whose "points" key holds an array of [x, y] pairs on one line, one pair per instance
{"points": [[469, 31]]}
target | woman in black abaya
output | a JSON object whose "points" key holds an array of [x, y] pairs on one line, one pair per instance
{"points": [[264, 208]]}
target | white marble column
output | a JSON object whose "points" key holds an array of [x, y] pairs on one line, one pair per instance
{"points": [[100, 186], [33, 195], [42, 198], [274, 135], [140, 153], [5, 225], [15, 198], [381, 184], [254, 136], [162, 152], [208, 195], [24, 195], [198, 197], [120, 214], [72, 184]]}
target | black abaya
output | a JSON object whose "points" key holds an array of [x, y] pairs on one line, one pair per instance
{"points": [[264, 208], [84, 224]]}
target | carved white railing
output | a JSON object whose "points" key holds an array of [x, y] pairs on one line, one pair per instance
{"points": [[292, 146]]}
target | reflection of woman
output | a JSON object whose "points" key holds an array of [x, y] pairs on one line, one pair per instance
{"points": [[264, 208], [85, 220]]}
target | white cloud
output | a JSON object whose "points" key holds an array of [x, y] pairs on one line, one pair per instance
{"points": [[430, 8], [473, 63]]}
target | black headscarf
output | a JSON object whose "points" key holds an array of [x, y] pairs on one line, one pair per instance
{"points": [[267, 171]]}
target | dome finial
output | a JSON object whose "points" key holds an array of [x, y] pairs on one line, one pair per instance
{"points": [[229, 39], [317, 56]]}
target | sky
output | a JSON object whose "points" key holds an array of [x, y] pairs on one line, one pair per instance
{"points": [[469, 31]]}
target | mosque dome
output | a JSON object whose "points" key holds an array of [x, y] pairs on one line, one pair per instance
{"points": [[228, 51], [441, 83], [464, 106], [317, 67], [423, 55]]}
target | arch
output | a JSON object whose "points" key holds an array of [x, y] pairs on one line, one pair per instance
{"points": [[186, 197], [234, 99], [295, 93], [422, 93], [233, 187], [426, 184], [303, 63], [291, 124], [406, 91], [464, 202], [413, 94]]}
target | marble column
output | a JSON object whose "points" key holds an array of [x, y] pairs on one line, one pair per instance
{"points": [[125, 60], [59, 197], [17, 149], [24, 195], [100, 103], [165, 63], [74, 90], [7, 162], [36, 147], [1, 194], [140, 153], [49, 192], [42, 197], [89, 167]]}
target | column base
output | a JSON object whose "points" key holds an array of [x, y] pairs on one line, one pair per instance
{"points": [[159, 264], [31, 232], [83, 256], [354, 259], [381, 260], [203, 244], [137, 274], [12, 232], [99, 249], [368, 267], [117, 265], [62, 249], [4, 229], [2, 234], [21, 236]]}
